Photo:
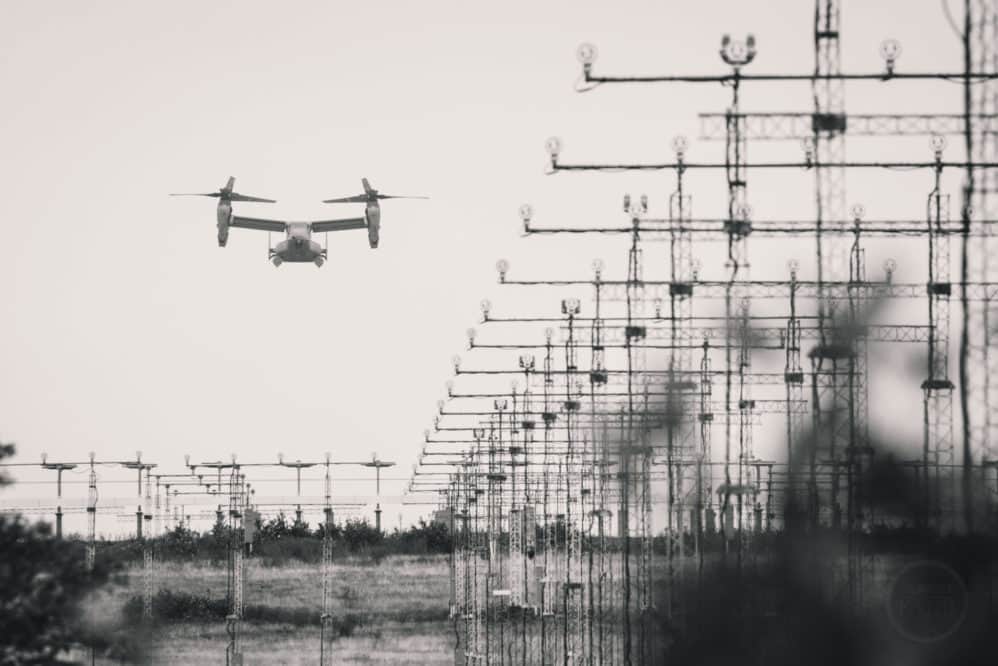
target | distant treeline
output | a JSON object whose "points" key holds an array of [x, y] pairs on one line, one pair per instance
{"points": [[281, 539]]}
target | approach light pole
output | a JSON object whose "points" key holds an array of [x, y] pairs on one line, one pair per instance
{"points": [[141, 468], [377, 465], [59, 469], [298, 465]]}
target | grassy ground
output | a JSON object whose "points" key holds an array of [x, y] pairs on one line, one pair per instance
{"points": [[383, 643], [401, 604]]}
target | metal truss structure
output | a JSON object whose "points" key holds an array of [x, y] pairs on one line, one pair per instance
{"points": [[591, 502]]}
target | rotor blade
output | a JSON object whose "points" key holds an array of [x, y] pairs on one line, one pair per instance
{"points": [[243, 197], [399, 196], [359, 198], [195, 194]]}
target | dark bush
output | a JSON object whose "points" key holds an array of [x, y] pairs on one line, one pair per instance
{"points": [[421, 539], [170, 607], [304, 549]]}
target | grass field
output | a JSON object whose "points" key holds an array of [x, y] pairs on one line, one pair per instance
{"points": [[400, 605]]}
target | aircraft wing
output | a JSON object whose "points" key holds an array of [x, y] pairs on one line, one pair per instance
{"points": [[258, 223], [339, 225]]}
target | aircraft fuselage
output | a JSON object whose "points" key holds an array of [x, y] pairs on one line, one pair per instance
{"points": [[299, 247]]}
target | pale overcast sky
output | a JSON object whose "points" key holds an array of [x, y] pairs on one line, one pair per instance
{"points": [[125, 325]]}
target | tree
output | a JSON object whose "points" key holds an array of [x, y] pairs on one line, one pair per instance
{"points": [[275, 529], [360, 534], [423, 538], [6, 451], [180, 542], [42, 582]]}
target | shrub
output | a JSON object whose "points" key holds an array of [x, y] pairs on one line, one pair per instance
{"points": [[274, 553], [170, 606]]}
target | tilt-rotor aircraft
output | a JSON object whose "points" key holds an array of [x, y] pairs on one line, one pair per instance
{"points": [[298, 246]]}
